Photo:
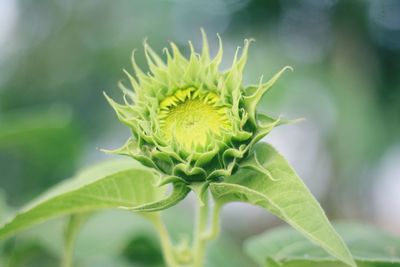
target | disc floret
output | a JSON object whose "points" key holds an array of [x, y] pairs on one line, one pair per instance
{"points": [[193, 118]]}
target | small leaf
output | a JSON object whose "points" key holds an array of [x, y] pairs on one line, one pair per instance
{"points": [[285, 247], [179, 192], [116, 184], [284, 194]]}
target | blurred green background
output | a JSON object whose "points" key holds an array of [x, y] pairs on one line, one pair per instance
{"points": [[56, 58]]}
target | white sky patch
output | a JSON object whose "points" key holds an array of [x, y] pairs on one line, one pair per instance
{"points": [[387, 191], [8, 19]]}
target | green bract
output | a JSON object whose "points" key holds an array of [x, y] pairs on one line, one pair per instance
{"points": [[190, 121]]}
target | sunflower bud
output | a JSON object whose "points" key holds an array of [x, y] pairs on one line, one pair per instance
{"points": [[190, 121]]}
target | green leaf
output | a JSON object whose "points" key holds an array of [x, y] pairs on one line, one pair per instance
{"points": [[117, 184], [267, 180], [32, 139], [285, 247]]}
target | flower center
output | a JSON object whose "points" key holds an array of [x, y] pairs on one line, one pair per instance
{"points": [[192, 119]]}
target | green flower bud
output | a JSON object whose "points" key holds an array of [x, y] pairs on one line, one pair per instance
{"points": [[190, 121]]}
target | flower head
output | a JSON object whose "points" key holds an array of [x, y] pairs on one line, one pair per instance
{"points": [[189, 120]]}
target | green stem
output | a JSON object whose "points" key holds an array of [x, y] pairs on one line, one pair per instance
{"points": [[206, 229], [203, 234], [67, 256], [166, 245], [71, 233], [200, 242], [214, 228]]}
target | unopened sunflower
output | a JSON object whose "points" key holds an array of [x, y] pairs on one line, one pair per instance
{"points": [[189, 120]]}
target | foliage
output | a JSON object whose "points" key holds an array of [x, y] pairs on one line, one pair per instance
{"points": [[225, 162], [369, 246]]}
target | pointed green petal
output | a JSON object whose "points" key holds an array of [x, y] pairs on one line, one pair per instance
{"points": [[251, 101]]}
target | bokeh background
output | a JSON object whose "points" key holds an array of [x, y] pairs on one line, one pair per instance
{"points": [[56, 58]]}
